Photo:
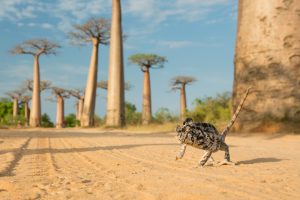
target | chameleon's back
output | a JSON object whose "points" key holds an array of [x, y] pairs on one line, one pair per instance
{"points": [[200, 135]]}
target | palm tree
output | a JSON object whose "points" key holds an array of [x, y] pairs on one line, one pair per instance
{"points": [[115, 91], [145, 62], [36, 48], [179, 83], [95, 31], [79, 95], [60, 94]]}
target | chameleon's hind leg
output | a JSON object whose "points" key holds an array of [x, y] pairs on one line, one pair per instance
{"points": [[226, 161], [211, 161], [181, 152], [204, 158]]}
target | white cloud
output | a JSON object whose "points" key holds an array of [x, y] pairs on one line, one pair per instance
{"points": [[175, 44], [19, 9], [159, 11]]}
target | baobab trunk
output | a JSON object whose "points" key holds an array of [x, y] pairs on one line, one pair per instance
{"points": [[60, 112], [88, 112], [15, 107], [268, 59], [35, 114], [146, 112], [115, 90], [26, 112], [182, 100], [79, 108]]}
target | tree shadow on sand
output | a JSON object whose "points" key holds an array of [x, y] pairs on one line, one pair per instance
{"points": [[258, 160]]}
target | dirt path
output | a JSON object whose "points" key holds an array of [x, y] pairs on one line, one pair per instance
{"points": [[90, 165]]}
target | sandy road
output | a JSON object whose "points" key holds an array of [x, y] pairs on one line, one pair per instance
{"points": [[114, 165]]}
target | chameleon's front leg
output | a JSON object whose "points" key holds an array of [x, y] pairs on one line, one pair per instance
{"points": [[181, 152], [204, 158]]}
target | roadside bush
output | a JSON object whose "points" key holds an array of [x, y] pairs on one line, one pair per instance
{"points": [[163, 115], [132, 117], [211, 109], [46, 122]]}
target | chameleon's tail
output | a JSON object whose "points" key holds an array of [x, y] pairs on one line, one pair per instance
{"points": [[225, 131]]}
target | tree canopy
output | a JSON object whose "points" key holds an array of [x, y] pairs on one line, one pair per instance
{"points": [[177, 81], [145, 61], [36, 47], [94, 29], [104, 85], [44, 85]]}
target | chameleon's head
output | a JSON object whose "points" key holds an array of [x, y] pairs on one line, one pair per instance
{"points": [[181, 130]]}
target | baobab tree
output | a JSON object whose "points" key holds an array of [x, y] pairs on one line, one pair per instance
{"points": [[145, 62], [36, 48], [179, 83], [25, 98], [267, 57], [15, 95], [95, 31], [115, 91], [60, 95], [104, 85], [44, 85], [79, 95]]}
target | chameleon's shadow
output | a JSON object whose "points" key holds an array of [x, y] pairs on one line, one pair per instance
{"points": [[258, 160]]}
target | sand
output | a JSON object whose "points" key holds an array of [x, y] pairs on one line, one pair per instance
{"points": [[89, 164]]}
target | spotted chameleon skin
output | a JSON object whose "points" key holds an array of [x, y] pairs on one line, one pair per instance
{"points": [[199, 135], [205, 136]]}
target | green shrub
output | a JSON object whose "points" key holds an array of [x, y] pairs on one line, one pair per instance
{"points": [[164, 115], [132, 117], [46, 122], [211, 109], [70, 120]]}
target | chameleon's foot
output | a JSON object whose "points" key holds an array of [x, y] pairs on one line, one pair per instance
{"points": [[226, 162]]}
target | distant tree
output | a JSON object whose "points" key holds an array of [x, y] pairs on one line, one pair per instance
{"points": [[36, 48], [95, 31], [15, 95], [145, 62], [104, 85], [79, 95], [44, 85], [25, 100], [179, 83], [60, 95]]}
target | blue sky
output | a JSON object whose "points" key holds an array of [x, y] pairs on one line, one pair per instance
{"points": [[196, 36]]}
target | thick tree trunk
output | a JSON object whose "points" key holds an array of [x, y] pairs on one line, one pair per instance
{"points": [[88, 113], [35, 114], [60, 112], [115, 90], [146, 111], [268, 59], [182, 100], [26, 113], [15, 107]]}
